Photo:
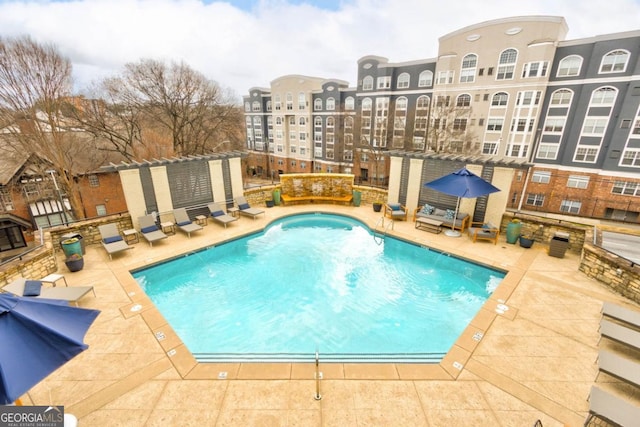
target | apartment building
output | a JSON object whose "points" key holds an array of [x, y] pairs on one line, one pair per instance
{"points": [[561, 115]]}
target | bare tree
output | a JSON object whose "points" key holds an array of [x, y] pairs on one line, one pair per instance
{"points": [[35, 83], [152, 102], [448, 129]]}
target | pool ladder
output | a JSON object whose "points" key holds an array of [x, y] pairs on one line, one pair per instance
{"points": [[378, 236], [318, 396]]}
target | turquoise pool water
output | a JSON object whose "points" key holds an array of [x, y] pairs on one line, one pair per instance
{"points": [[318, 282]]}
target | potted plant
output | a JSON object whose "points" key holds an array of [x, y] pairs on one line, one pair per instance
{"points": [[526, 241], [74, 262], [377, 206], [513, 230]]}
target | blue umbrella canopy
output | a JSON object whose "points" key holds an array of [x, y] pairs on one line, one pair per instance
{"points": [[462, 183], [38, 336]]}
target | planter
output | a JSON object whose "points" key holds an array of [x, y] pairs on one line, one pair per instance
{"points": [[276, 197], [526, 242], [71, 246], [357, 198], [269, 203], [513, 232], [377, 207], [74, 263]]}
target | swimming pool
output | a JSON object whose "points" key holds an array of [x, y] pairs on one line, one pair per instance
{"points": [[318, 282]]}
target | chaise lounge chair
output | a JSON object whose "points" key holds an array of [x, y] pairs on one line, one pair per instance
{"points": [[33, 288], [621, 313], [184, 223], [219, 215], [112, 241], [245, 209], [619, 366], [149, 229], [620, 333], [484, 231], [612, 408]]}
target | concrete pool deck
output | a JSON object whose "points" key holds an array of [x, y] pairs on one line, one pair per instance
{"points": [[536, 360]]}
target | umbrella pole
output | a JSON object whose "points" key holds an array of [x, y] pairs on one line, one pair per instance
{"points": [[453, 232]]}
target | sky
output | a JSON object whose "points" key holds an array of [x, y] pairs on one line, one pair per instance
{"points": [[248, 43]]}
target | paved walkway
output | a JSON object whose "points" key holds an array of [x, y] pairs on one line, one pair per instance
{"points": [[537, 360]]}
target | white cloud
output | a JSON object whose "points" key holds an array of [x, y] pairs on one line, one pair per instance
{"points": [[241, 48]]}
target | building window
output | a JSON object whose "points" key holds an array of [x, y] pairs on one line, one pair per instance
{"points": [[603, 97], [626, 188], [614, 62], [292, 120], [423, 102], [594, 126], [630, 158], [302, 101], [490, 148], [331, 104], [463, 100], [6, 202], [101, 210], [367, 104], [561, 97], [247, 107], [459, 124], [535, 69], [384, 82], [277, 102], [578, 181], [554, 124], [507, 64], [535, 199], [302, 121], [548, 151], [541, 177], [317, 104], [256, 106], [468, 68], [268, 105], [367, 83], [403, 81], [530, 97], [570, 206], [349, 103], [569, 66], [494, 124], [289, 101], [500, 99], [586, 155], [93, 180], [445, 77], [425, 79]]}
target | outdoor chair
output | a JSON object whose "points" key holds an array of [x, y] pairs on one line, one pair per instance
{"points": [[245, 209], [621, 313], [484, 231], [33, 288], [220, 216], [612, 408], [620, 333], [184, 223], [149, 229], [112, 241], [395, 211]]}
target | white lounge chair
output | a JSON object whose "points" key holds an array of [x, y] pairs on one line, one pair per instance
{"points": [[245, 209], [70, 294], [620, 333], [112, 241], [149, 229], [621, 367], [184, 223], [220, 216], [612, 408]]}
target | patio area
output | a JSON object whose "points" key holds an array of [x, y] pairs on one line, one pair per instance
{"points": [[536, 360]]}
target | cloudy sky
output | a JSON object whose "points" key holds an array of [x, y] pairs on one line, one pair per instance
{"points": [[246, 43]]}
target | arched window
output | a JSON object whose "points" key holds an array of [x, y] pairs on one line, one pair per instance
{"points": [[302, 101], [561, 97], [463, 100], [604, 97], [317, 104], [569, 66], [366, 104], [268, 105], [331, 122], [256, 106], [257, 121], [507, 64], [614, 62], [331, 104], [468, 68], [278, 121], [348, 124], [367, 83], [403, 81], [500, 99], [350, 103], [302, 121], [425, 79], [317, 122], [423, 102]]}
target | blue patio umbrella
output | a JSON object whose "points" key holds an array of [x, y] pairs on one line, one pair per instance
{"points": [[461, 183], [38, 336]]}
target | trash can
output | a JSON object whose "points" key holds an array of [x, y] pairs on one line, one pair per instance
{"points": [[72, 247], [558, 245], [357, 198]]}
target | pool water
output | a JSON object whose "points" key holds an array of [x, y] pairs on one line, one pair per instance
{"points": [[318, 282]]}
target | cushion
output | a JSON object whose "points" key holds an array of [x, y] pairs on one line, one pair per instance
{"points": [[449, 214], [32, 288], [183, 223], [149, 229], [428, 209], [488, 225], [217, 213], [439, 212], [395, 206], [243, 206], [112, 239]]}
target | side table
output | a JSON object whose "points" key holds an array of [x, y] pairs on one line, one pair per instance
{"points": [[131, 236], [53, 278]]}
